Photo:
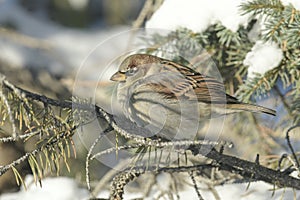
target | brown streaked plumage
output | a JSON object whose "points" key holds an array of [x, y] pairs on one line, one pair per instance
{"points": [[207, 89], [146, 81]]}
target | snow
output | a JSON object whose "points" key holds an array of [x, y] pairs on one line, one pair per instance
{"points": [[256, 30], [197, 15], [63, 188], [78, 4], [58, 188], [295, 3], [164, 181], [262, 58], [257, 191]]}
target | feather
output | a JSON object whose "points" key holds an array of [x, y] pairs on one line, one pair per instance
{"points": [[175, 82]]}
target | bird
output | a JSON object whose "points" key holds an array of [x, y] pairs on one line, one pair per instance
{"points": [[171, 99]]}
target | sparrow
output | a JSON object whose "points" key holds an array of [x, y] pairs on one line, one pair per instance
{"points": [[170, 99]]}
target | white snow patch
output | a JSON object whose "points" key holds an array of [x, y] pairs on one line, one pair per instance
{"points": [[197, 15], [58, 188], [295, 3], [256, 30], [63, 188], [262, 58], [78, 4], [258, 191], [164, 181]]}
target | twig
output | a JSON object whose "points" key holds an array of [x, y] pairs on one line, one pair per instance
{"points": [[87, 174], [104, 181], [143, 14], [178, 144], [290, 145], [283, 100], [249, 169], [48, 145], [195, 185], [229, 163], [119, 182], [19, 137], [10, 114]]}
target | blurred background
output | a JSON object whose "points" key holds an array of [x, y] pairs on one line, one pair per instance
{"points": [[42, 45], [57, 35]]}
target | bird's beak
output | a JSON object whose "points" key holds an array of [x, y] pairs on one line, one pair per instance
{"points": [[118, 76]]}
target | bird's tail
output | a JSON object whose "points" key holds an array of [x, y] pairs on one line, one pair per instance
{"points": [[251, 108]]}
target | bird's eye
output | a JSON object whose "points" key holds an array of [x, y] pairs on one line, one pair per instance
{"points": [[131, 71]]}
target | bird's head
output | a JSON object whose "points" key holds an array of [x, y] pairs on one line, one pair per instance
{"points": [[135, 67]]}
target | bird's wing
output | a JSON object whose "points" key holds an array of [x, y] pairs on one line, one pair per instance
{"points": [[178, 81]]}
